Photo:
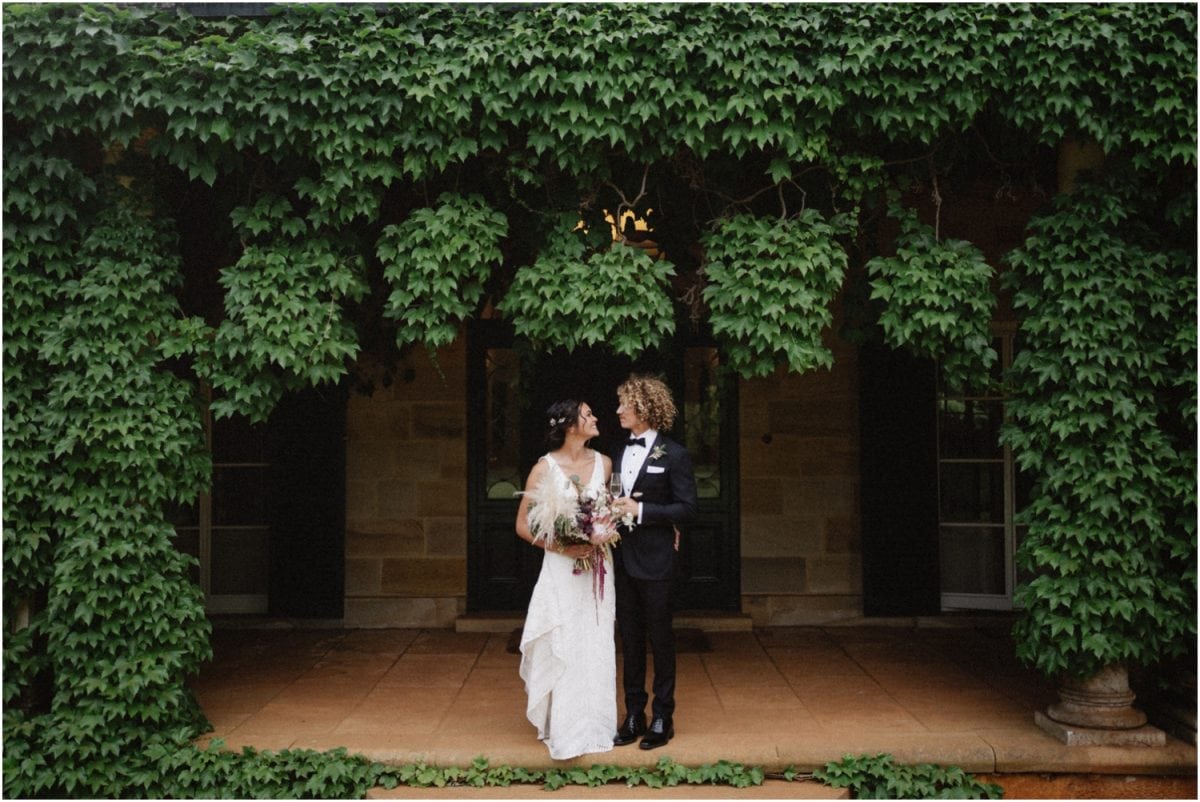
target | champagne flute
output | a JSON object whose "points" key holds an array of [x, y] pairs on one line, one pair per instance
{"points": [[614, 487]]}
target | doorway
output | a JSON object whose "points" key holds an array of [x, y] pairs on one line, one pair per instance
{"points": [[268, 536], [509, 393]]}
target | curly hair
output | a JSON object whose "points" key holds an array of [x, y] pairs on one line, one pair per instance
{"points": [[650, 398], [560, 416]]}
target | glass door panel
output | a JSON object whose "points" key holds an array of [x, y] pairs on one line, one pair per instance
{"points": [[240, 565], [972, 491], [977, 495], [239, 536], [508, 395], [502, 424], [227, 530], [702, 419], [972, 559]]}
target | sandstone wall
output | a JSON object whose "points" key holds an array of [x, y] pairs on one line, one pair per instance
{"points": [[406, 517], [406, 491], [801, 553]]}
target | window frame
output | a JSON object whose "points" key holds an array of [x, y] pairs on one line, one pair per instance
{"points": [[205, 529], [952, 601]]}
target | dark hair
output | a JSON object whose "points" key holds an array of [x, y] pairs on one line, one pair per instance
{"points": [[561, 415]]}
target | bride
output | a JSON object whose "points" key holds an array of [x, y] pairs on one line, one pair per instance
{"points": [[568, 660]]}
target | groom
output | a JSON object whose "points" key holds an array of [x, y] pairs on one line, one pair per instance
{"points": [[659, 490]]}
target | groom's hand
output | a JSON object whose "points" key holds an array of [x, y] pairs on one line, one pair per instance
{"points": [[625, 506]]}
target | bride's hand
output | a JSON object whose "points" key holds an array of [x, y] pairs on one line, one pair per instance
{"points": [[576, 552]]}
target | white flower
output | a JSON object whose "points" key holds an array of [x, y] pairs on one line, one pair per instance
{"points": [[549, 503]]}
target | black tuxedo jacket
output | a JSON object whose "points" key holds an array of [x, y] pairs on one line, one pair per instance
{"points": [[668, 496]]}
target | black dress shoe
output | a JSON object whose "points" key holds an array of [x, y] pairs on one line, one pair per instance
{"points": [[660, 732], [632, 727]]}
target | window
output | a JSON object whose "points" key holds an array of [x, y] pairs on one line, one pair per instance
{"points": [[978, 496], [228, 529], [502, 424], [702, 418]]}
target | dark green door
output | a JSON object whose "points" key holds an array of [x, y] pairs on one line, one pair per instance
{"points": [[509, 395]]}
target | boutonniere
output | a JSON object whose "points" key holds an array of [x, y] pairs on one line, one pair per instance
{"points": [[657, 452]]}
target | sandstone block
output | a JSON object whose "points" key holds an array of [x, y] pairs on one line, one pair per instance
{"points": [[385, 538], [363, 577], [446, 537], [416, 576], [442, 498], [439, 421]]}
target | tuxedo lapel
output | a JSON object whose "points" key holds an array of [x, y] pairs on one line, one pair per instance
{"points": [[659, 442]]}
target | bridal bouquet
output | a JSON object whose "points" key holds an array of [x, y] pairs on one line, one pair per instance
{"points": [[582, 518]]}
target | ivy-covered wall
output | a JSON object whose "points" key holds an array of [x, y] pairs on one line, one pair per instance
{"points": [[256, 205]]}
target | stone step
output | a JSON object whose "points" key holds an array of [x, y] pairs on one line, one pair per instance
{"points": [[770, 789], [713, 622], [489, 622], [705, 621]]}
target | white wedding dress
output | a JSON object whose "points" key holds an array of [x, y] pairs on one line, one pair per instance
{"points": [[568, 658]]}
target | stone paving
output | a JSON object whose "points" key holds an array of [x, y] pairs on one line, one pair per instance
{"points": [[772, 698]]}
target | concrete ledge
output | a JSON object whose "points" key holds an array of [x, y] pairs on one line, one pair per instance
{"points": [[503, 623], [1020, 751], [801, 609], [1146, 736], [693, 750], [499, 623], [714, 622], [392, 612], [802, 752], [771, 789], [1007, 752], [266, 622], [989, 752], [808, 752]]}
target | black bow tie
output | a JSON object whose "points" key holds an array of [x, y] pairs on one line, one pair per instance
{"points": [[636, 441]]}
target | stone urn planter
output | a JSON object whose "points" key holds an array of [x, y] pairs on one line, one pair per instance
{"points": [[1098, 711]]}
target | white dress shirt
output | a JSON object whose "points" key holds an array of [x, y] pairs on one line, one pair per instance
{"points": [[631, 464]]}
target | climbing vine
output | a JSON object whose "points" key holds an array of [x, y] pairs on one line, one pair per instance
{"points": [[614, 296], [937, 301], [437, 262], [1095, 420], [350, 160], [183, 770], [114, 620], [770, 288], [285, 326]]}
